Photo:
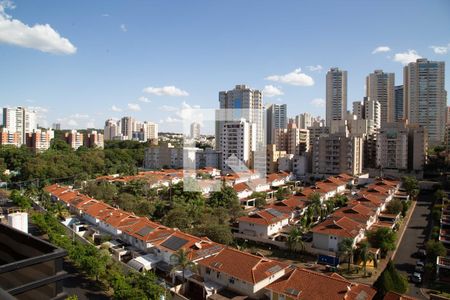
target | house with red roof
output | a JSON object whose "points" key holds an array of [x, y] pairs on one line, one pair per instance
{"points": [[263, 223], [328, 234], [294, 206], [240, 272], [302, 284], [358, 212]]}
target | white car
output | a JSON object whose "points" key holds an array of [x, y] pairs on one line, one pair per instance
{"points": [[416, 277]]}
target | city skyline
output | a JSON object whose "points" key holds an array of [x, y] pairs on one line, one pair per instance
{"points": [[130, 74]]}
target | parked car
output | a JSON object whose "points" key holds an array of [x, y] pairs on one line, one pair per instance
{"points": [[416, 277], [421, 253], [419, 269], [420, 263]]}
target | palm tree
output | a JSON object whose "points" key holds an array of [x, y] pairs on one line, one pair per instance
{"points": [[365, 255], [294, 241], [346, 248], [181, 262], [315, 203]]}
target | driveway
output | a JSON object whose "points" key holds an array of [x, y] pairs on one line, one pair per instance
{"points": [[417, 231]]}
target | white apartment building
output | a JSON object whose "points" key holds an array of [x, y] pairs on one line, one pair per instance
{"points": [[195, 130], [241, 103], [19, 119], [426, 97], [303, 121], [237, 142], [336, 91]]}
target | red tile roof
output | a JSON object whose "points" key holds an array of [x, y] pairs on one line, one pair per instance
{"points": [[263, 217], [242, 265], [396, 296], [355, 211], [338, 226], [304, 284], [326, 186]]}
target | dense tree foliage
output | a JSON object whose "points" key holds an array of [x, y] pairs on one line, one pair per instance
{"points": [[391, 281], [97, 263], [383, 238], [60, 162]]}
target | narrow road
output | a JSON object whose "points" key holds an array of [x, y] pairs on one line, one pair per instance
{"points": [[417, 231]]}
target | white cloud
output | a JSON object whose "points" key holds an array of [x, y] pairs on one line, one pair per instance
{"points": [[168, 108], [39, 109], [295, 77], [115, 108], [105, 15], [316, 68], [29, 100], [272, 91], [39, 36], [172, 120], [72, 123], [134, 107], [381, 49], [144, 99], [165, 91], [440, 49], [318, 102], [407, 57], [90, 124], [123, 28], [79, 116]]}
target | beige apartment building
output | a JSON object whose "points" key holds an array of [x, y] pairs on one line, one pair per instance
{"points": [[380, 87], [402, 147], [39, 140], [336, 95], [425, 97], [337, 153], [292, 140], [273, 154]]}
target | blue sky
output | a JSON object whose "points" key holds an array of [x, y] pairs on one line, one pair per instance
{"points": [[97, 57]]}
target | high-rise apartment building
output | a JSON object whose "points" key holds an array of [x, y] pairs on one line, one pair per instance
{"points": [[402, 147], [372, 113], [425, 97], [399, 104], [40, 140], [127, 127], [304, 120], [380, 87], [19, 119], [195, 130], [337, 153], [273, 154], [94, 139], [237, 143], [276, 119], [150, 131], [336, 99], [111, 129], [8, 137], [358, 109], [74, 139], [292, 140], [241, 103]]}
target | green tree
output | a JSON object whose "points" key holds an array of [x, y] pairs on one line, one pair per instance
{"points": [[20, 200], [435, 249], [294, 240], [411, 185], [345, 248], [383, 238], [391, 280], [365, 255], [394, 206], [260, 199]]}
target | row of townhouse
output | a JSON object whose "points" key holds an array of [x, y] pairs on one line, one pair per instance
{"points": [[272, 222], [364, 212], [222, 270]]}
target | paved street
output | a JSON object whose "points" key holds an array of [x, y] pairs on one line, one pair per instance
{"points": [[414, 237]]}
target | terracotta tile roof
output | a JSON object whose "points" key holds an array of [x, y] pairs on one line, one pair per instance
{"points": [[145, 230], [243, 266], [326, 186], [240, 187], [335, 180], [379, 188], [345, 176], [304, 284], [338, 226], [95, 208], [68, 196], [50, 188], [308, 191], [355, 211], [263, 217]]}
